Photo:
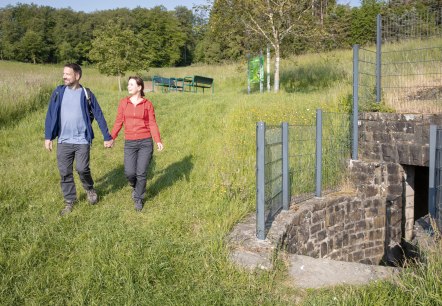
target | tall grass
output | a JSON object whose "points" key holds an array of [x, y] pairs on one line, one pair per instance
{"points": [[411, 76], [173, 253], [23, 89]]}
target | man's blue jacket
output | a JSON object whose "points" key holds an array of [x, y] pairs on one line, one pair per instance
{"points": [[52, 123]]}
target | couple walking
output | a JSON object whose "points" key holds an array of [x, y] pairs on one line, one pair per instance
{"points": [[69, 119]]}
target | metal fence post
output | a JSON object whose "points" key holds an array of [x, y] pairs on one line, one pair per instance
{"points": [[285, 166], [318, 168], [432, 172], [378, 57], [354, 147], [260, 180]]}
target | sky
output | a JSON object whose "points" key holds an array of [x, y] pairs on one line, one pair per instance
{"points": [[98, 5]]}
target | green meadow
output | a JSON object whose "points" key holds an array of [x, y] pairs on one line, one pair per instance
{"points": [[174, 252]]}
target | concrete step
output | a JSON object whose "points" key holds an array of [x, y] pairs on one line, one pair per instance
{"points": [[308, 272]]}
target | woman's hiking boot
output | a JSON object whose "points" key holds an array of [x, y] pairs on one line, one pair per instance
{"points": [[138, 204], [92, 196], [69, 205]]}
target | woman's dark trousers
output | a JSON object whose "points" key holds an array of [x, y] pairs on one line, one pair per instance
{"points": [[137, 156]]}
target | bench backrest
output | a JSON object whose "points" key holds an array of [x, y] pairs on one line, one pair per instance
{"points": [[202, 80], [163, 81]]}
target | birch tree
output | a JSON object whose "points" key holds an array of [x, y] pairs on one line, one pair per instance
{"points": [[274, 20]]}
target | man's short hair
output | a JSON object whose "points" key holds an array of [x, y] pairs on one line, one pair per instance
{"points": [[75, 67]]}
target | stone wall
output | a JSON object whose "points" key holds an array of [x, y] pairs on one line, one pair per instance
{"points": [[397, 138], [359, 227]]}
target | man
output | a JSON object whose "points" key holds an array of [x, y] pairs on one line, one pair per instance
{"points": [[69, 118]]}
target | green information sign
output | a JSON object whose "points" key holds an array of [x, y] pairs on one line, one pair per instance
{"points": [[256, 69]]}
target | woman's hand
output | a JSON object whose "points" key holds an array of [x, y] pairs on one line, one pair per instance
{"points": [[109, 143], [160, 146]]}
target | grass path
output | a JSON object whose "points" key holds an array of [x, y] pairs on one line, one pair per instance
{"points": [[171, 253]]}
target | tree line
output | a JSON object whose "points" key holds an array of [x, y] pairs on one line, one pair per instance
{"points": [[223, 30]]}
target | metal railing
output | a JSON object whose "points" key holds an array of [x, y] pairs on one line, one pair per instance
{"points": [[405, 77], [435, 175], [269, 174], [412, 24], [297, 162]]}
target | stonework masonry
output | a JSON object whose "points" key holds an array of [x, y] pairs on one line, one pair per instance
{"points": [[397, 138], [368, 224], [359, 227]]}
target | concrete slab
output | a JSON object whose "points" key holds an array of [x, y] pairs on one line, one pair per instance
{"points": [[308, 272], [251, 260]]}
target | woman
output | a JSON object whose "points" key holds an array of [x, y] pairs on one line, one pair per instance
{"points": [[138, 116]]}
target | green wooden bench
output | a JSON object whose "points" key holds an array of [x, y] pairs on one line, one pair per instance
{"points": [[167, 84], [192, 83]]}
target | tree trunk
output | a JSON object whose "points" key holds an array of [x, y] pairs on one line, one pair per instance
{"points": [[268, 68], [276, 80]]}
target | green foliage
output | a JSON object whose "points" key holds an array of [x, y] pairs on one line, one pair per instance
{"points": [[117, 50], [211, 33], [32, 47], [225, 38], [186, 20], [363, 23], [67, 53], [376, 107], [163, 38], [43, 34], [174, 252]]}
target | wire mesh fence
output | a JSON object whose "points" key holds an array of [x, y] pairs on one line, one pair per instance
{"points": [[302, 160], [367, 77], [435, 176], [405, 69], [412, 79], [336, 149], [298, 153], [412, 24], [273, 171]]}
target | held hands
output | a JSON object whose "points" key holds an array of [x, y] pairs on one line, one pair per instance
{"points": [[109, 143]]}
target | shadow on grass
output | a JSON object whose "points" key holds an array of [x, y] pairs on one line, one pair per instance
{"points": [[171, 174], [310, 78], [112, 181]]}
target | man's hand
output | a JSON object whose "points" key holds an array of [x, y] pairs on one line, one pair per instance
{"points": [[160, 146], [109, 144], [48, 144]]}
